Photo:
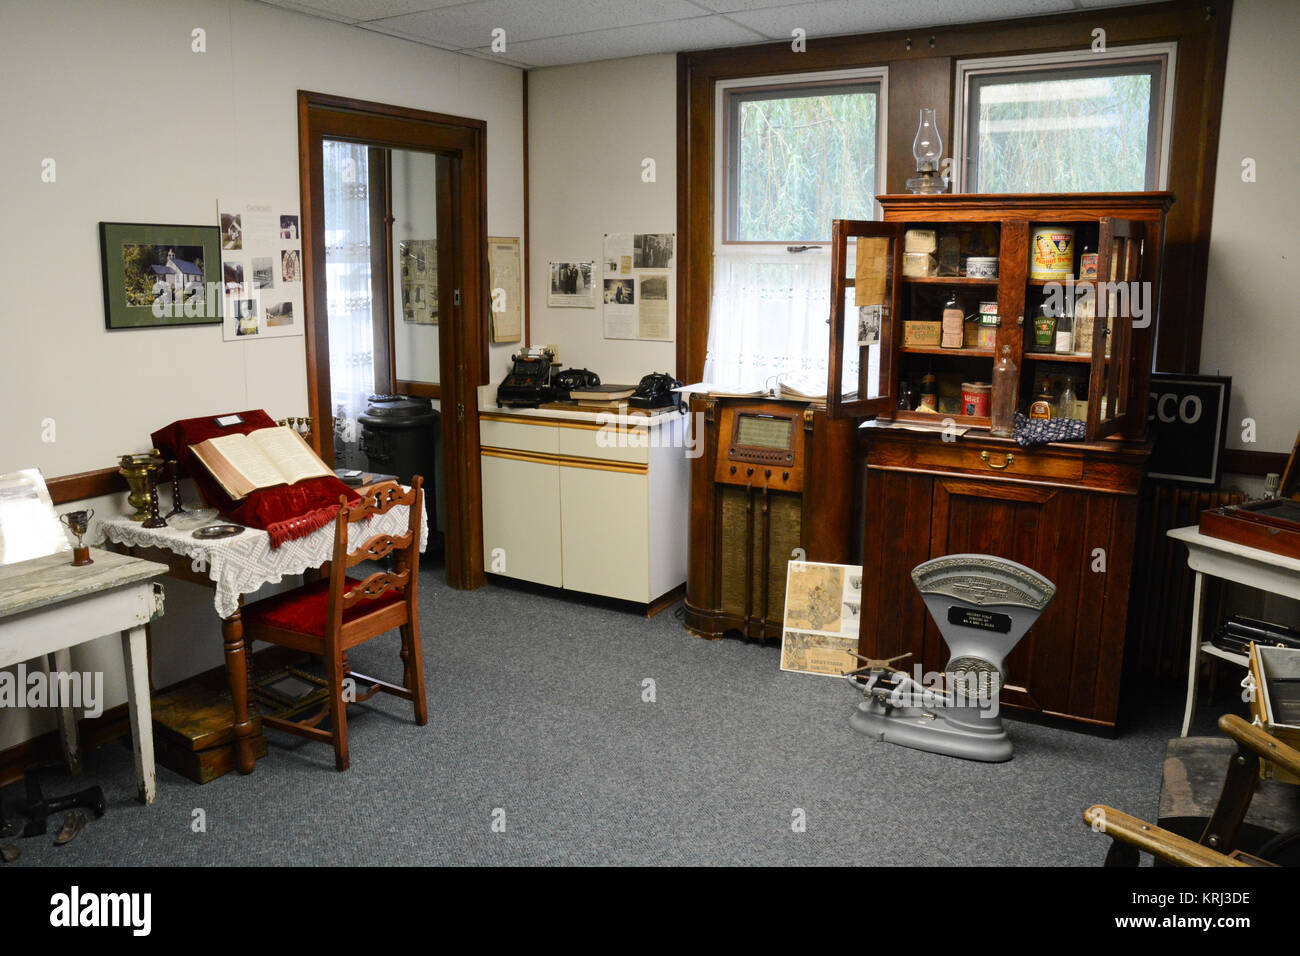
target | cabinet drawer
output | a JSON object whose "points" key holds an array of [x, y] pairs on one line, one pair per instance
{"points": [[608, 444], [1012, 462], [519, 436]]}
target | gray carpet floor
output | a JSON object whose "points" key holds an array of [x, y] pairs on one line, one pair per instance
{"points": [[537, 721]]}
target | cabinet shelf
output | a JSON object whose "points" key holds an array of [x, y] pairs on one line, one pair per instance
{"points": [[1080, 358], [950, 280], [937, 350]]}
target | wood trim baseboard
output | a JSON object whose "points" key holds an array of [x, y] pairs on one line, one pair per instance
{"points": [[86, 484], [92, 733]]}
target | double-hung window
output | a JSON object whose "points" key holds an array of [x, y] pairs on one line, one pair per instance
{"points": [[1065, 122], [793, 153]]}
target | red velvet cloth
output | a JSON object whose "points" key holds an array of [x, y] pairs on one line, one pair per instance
{"points": [[287, 512], [303, 609]]}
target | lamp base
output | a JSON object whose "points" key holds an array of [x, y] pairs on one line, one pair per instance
{"points": [[926, 182]]}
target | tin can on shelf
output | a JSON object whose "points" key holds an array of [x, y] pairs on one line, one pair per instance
{"points": [[1051, 253], [982, 267], [975, 398]]}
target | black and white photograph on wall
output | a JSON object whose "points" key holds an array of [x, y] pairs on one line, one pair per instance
{"points": [[620, 292], [263, 272], [232, 234], [419, 271], [571, 285], [288, 227], [290, 265], [652, 250], [868, 325]]}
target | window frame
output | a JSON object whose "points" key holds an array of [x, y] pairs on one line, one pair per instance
{"points": [[1065, 63], [785, 82]]}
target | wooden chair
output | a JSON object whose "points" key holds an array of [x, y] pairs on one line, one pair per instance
{"points": [[329, 616], [1217, 845]]}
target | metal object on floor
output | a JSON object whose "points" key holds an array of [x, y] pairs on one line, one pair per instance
{"points": [[37, 806], [982, 605]]}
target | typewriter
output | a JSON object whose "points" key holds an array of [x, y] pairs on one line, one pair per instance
{"points": [[529, 383]]}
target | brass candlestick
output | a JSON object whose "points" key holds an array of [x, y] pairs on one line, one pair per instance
{"points": [[136, 470]]}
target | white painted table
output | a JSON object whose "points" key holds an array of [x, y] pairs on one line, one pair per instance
{"points": [[48, 607], [1234, 562]]}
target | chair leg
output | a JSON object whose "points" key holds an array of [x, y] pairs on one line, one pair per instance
{"points": [[413, 665], [338, 709]]}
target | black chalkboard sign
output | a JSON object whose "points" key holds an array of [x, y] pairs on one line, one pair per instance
{"points": [[1187, 419]]}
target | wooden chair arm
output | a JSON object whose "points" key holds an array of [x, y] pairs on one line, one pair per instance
{"points": [[1261, 742], [1154, 840]]}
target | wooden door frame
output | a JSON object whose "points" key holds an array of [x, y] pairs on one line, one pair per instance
{"points": [[463, 339]]}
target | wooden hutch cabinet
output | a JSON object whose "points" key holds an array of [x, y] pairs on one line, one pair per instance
{"points": [[1069, 509]]}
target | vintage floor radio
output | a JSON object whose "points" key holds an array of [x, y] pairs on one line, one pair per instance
{"points": [[982, 605], [774, 476]]}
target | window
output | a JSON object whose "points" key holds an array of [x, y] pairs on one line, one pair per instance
{"points": [[795, 153], [799, 156], [1096, 123]]}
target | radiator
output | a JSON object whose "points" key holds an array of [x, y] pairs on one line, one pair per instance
{"points": [[1160, 602]]}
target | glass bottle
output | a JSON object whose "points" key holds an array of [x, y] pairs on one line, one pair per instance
{"points": [[1006, 379], [1065, 403]]}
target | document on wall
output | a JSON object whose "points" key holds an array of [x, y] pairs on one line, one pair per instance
{"points": [[261, 269], [823, 607], [636, 285], [507, 298]]}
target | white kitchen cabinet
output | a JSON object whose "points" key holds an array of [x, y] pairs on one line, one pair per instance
{"points": [[586, 501]]}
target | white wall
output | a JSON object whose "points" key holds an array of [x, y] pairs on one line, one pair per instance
{"points": [[1252, 319], [589, 128], [142, 129]]}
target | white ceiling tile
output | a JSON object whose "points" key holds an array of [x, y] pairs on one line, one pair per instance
{"points": [[471, 24], [354, 10], [700, 33], [838, 17]]}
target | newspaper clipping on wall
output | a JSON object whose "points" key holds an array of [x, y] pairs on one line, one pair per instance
{"points": [[823, 606], [636, 285], [507, 298], [261, 269]]}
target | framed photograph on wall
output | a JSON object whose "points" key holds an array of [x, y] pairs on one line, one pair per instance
{"points": [[160, 275]]}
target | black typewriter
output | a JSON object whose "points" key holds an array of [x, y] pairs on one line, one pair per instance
{"points": [[529, 383]]}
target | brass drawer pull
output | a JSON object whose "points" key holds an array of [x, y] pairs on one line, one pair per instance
{"points": [[984, 457]]}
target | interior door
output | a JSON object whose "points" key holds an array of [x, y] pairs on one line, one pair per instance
{"points": [[1119, 301], [861, 360]]}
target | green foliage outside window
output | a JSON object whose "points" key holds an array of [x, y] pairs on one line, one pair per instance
{"points": [[802, 161]]}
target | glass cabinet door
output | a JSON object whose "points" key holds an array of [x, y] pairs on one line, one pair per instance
{"points": [[1118, 300], [865, 280]]}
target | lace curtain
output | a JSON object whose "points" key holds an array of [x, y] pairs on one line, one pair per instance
{"points": [[769, 318], [348, 294]]}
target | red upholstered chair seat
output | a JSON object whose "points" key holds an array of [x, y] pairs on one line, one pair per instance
{"points": [[303, 609]]}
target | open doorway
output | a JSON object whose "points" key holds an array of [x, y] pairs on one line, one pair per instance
{"points": [[394, 229]]}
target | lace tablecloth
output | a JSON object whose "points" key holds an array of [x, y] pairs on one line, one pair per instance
{"points": [[243, 563]]}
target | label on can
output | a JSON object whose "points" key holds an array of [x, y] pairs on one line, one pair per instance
{"points": [[1088, 265], [1051, 252]]}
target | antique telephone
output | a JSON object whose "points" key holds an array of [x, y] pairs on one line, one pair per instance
{"points": [[529, 383], [983, 605], [571, 378], [656, 391]]}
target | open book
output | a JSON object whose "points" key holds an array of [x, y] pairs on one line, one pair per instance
{"points": [[262, 459]]}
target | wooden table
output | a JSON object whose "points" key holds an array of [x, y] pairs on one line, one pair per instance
{"points": [[1235, 562], [47, 606], [235, 567]]}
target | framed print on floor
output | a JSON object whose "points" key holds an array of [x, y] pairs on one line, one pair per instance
{"points": [[160, 275]]}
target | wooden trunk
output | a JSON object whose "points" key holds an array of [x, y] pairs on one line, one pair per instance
{"points": [[1067, 511]]}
